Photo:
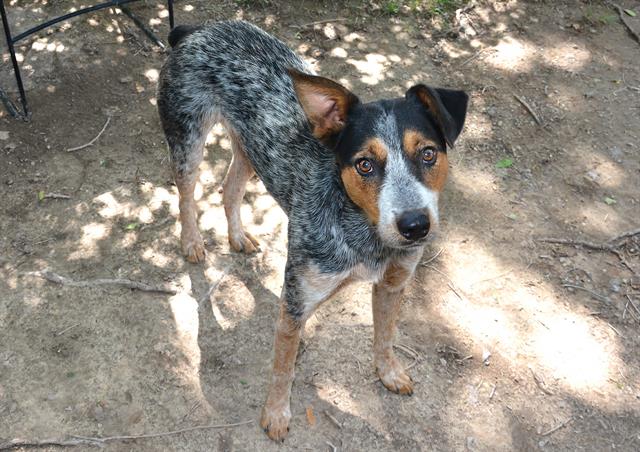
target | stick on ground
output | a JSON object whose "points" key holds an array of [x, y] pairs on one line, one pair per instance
{"points": [[55, 196], [529, 109], [623, 19], [94, 140], [557, 427], [135, 285], [77, 440]]}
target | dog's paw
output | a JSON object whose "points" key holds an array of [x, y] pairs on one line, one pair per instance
{"points": [[395, 379], [193, 247], [243, 242], [275, 422]]}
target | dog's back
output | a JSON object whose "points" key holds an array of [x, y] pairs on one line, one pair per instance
{"points": [[235, 73]]}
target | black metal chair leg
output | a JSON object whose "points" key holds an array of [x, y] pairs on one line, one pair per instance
{"points": [[11, 40], [171, 21], [16, 69]]}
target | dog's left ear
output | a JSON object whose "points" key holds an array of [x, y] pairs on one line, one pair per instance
{"points": [[325, 103], [448, 107]]}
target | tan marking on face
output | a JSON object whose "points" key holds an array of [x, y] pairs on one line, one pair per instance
{"points": [[365, 191], [436, 175]]}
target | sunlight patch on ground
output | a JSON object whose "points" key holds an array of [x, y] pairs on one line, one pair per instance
{"points": [[88, 246], [153, 256], [566, 55], [212, 219], [185, 315], [111, 206], [340, 397], [152, 75], [598, 218], [464, 399], [373, 68], [43, 44], [526, 324], [572, 352], [511, 55]]}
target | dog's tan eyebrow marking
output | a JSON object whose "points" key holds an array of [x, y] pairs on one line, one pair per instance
{"points": [[435, 176], [364, 192], [412, 141], [373, 147]]}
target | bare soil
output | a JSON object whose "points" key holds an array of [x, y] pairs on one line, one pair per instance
{"points": [[514, 343]]}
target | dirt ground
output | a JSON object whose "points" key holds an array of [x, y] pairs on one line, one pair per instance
{"points": [[514, 343]]}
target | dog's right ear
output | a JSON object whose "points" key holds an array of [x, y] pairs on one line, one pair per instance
{"points": [[325, 103]]}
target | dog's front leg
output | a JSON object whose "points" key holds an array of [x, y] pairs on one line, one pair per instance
{"points": [[277, 412], [387, 298]]}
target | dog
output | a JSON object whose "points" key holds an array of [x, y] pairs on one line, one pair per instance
{"points": [[359, 181]]}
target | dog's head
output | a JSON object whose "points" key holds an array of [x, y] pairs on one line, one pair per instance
{"points": [[392, 153]]}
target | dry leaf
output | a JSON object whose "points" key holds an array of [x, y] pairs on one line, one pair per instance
{"points": [[311, 418]]}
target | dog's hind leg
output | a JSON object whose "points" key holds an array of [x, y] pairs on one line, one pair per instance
{"points": [[190, 238], [233, 189], [186, 145]]}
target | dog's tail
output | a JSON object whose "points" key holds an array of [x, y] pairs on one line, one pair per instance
{"points": [[180, 32]]}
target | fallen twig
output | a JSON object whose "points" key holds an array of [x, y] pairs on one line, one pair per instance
{"points": [[319, 22], [55, 196], [540, 384], [606, 246], [333, 420], [333, 448], [557, 427], [633, 305], [432, 258], [623, 19], [624, 235], [449, 283], [67, 329], [616, 331], [493, 392], [214, 286], [77, 440], [491, 278], [529, 109], [135, 285], [595, 295], [94, 140]]}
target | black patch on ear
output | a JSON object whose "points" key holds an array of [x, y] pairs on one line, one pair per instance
{"points": [[448, 108]]}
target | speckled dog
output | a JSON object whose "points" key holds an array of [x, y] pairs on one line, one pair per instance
{"points": [[359, 181]]}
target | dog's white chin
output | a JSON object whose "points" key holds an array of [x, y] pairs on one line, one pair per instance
{"points": [[391, 238]]}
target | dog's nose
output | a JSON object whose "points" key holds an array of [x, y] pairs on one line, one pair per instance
{"points": [[413, 225]]}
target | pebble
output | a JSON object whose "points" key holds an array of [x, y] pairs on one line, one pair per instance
{"points": [[615, 285]]}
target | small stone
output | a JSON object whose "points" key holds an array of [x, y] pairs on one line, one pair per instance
{"points": [[4, 135], [471, 443], [412, 44], [127, 79], [615, 284], [593, 175], [616, 153], [486, 355], [330, 32]]}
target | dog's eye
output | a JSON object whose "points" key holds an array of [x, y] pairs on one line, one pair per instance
{"points": [[429, 155], [364, 167]]}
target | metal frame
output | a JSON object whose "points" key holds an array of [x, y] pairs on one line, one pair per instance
{"points": [[12, 40]]}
